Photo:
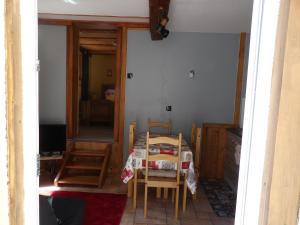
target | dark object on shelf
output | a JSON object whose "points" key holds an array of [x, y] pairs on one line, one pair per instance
{"points": [[52, 139]]}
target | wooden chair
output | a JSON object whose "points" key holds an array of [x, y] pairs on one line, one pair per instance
{"points": [[193, 135], [197, 155], [166, 125], [197, 151], [163, 178], [132, 137]]}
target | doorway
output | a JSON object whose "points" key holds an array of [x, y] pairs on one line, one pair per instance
{"points": [[97, 84], [94, 93]]}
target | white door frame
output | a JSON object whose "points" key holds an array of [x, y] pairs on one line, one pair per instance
{"points": [[30, 67], [257, 108]]}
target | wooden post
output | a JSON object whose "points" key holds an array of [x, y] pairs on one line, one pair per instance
{"points": [[239, 81]]}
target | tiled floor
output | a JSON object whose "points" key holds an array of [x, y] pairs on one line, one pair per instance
{"points": [[161, 212]]}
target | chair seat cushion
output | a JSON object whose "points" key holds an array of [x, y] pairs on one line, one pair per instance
{"points": [[160, 173]]}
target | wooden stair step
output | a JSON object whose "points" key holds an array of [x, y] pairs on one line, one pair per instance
{"points": [[87, 153], [85, 180], [84, 166]]}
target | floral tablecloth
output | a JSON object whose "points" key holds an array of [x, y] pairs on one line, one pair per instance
{"points": [[137, 160]]}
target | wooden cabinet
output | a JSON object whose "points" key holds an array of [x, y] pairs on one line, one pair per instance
{"points": [[213, 145], [101, 111]]}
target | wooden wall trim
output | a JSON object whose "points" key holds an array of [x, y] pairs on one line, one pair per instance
{"points": [[69, 82], [58, 22], [118, 86], [123, 87], [239, 81], [94, 24]]}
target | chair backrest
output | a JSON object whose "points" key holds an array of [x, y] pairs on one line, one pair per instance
{"points": [[176, 142], [132, 136], [197, 149], [166, 125], [193, 135]]}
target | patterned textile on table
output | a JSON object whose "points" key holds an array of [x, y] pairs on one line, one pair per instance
{"points": [[137, 160]]}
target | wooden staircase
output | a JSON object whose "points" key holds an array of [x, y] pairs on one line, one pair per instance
{"points": [[84, 164]]}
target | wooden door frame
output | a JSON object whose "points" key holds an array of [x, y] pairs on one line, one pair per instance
{"points": [[119, 114], [18, 113], [122, 27], [73, 79]]}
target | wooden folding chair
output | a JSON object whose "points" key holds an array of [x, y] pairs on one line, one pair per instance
{"points": [[165, 125], [197, 155], [163, 178], [132, 138]]}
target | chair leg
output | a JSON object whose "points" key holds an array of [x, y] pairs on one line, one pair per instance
{"points": [[135, 189], [197, 180], [130, 189], [195, 196], [166, 193], [173, 195], [146, 199], [184, 194], [158, 192], [176, 202]]}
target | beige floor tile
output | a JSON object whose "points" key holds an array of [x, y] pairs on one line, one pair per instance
{"points": [[203, 206], [223, 221], [155, 216], [172, 221], [203, 215], [127, 219], [190, 213], [196, 222]]}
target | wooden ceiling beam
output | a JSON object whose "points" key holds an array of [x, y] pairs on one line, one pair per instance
{"points": [[156, 9]]}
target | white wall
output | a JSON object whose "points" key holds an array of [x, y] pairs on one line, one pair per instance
{"points": [[160, 78], [52, 77]]}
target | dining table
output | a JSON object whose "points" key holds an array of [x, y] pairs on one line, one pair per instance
{"points": [[137, 161]]}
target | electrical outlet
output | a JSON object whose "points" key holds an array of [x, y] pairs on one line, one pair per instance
{"points": [[129, 75], [168, 108]]}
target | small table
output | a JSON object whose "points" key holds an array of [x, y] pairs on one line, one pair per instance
{"points": [[137, 159]]}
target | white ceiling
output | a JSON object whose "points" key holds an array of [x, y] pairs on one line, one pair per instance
{"points": [[217, 16]]}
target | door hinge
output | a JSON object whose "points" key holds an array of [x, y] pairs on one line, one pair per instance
{"points": [[37, 65], [38, 165]]}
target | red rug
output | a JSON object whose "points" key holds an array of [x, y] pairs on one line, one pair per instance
{"points": [[100, 208]]}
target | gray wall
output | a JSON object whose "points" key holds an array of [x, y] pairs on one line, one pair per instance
{"points": [[160, 78], [52, 76]]}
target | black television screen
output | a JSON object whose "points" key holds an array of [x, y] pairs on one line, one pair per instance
{"points": [[52, 138]]}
